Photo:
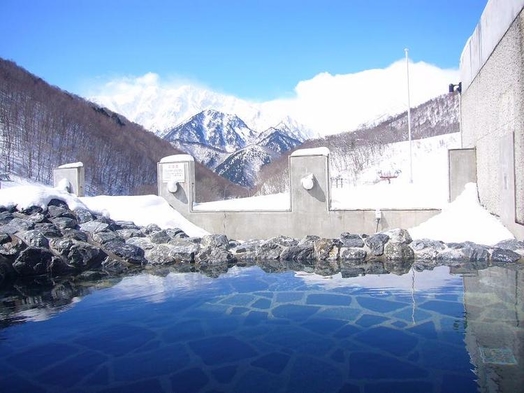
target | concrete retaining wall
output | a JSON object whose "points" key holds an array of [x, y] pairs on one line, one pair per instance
{"points": [[70, 176], [309, 212], [492, 109]]}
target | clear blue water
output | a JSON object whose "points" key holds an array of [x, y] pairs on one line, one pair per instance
{"points": [[252, 331]]}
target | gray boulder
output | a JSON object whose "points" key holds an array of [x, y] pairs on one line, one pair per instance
{"points": [[427, 249], [16, 225], [376, 243], [128, 252], [395, 251], [36, 261], [504, 256], [399, 235], [94, 226], [327, 249], [300, 252], [246, 251], [352, 254], [351, 240], [34, 238], [214, 241]]}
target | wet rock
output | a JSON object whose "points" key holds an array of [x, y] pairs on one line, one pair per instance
{"points": [[126, 225], [327, 249], [6, 217], [10, 246], [352, 254], [272, 248], [213, 255], [17, 225], [300, 252], [106, 236], [504, 256], [128, 233], [511, 244], [427, 249], [58, 203], [29, 211], [351, 240], [376, 243], [34, 261], [142, 242], [78, 254], [34, 238], [75, 234], [83, 215], [309, 239], [114, 265], [476, 253], [159, 237], [176, 233], [148, 229], [246, 251], [60, 211], [64, 222], [37, 218], [398, 235], [48, 229], [452, 254], [214, 241], [6, 270], [128, 252], [395, 251], [160, 254], [94, 226]]}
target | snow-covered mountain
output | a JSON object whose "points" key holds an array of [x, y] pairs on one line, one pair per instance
{"points": [[212, 128], [161, 109], [218, 140], [277, 140], [242, 167]]}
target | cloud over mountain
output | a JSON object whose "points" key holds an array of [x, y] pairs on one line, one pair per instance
{"points": [[325, 103]]}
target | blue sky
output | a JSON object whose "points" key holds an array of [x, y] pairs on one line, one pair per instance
{"points": [[253, 49]]}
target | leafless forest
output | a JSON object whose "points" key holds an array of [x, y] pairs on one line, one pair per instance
{"points": [[357, 150], [42, 127]]}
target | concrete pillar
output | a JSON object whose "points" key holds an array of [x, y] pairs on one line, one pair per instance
{"points": [[309, 180], [176, 181], [70, 177], [462, 165]]}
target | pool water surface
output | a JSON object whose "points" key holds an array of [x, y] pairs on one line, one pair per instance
{"points": [[252, 331]]}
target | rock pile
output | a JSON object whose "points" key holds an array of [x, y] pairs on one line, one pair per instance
{"points": [[58, 241]]}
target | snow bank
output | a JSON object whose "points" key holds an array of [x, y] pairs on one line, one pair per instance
{"points": [[463, 220]]}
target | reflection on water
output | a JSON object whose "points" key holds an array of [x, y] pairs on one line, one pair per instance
{"points": [[249, 330], [494, 301]]}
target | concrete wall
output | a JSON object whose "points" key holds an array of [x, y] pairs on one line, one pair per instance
{"points": [[309, 212], [492, 109], [462, 170], [72, 176]]}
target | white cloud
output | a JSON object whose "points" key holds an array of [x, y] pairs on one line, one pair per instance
{"points": [[326, 103], [334, 103]]}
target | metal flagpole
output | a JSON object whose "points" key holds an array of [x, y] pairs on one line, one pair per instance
{"points": [[409, 122]]}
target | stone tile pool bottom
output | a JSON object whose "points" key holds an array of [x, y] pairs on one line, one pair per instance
{"points": [[249, 331]]}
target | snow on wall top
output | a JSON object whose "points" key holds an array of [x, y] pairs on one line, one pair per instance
{"points": [[318, 151], [177, 158], [72, 165]]}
